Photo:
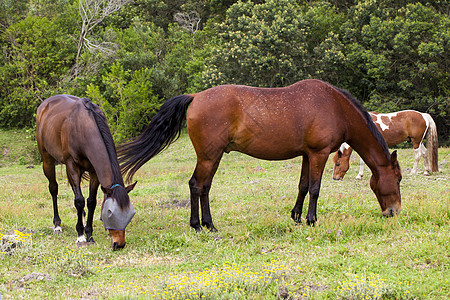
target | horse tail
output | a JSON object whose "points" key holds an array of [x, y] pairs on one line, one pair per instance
{"points": [[164, 128], [432, 142]]}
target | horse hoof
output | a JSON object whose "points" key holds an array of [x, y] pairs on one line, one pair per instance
{"points": [[57, 230], [81, 244], [311, 223], [298, 223], [297, 218], [81, 241], [198, 229], [212, 229], [91, 241]]}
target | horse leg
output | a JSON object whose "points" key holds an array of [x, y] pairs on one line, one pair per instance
{"points": [[48, 166], [195, 196], [200, 185], [317, 163], [361, 169], [303, 188], [416, 160], [426, 162], [74, 176], [91, 204]]}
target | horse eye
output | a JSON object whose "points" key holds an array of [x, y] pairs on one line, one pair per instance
{"points": [[338, 164]]}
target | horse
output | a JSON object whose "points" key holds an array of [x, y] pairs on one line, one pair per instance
{"points": [[310, 118], [398, 127], [74, 132]]}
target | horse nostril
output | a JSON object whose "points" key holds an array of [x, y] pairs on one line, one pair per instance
{"points": [[116, 246], [391, 212]]}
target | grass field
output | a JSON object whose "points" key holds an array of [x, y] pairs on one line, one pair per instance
{"points": [[259, 253]]}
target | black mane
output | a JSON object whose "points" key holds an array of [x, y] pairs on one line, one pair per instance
{"points": [[119, 194], [370, 123]]}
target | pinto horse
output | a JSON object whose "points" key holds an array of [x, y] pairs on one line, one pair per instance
{"points": [[310, 118], [398, 127], [74, 132]]}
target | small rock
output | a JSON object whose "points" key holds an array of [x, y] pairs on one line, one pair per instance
{"points": [[283, 292], [36, 277]]}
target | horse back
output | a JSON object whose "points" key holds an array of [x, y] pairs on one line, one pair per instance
{"points": [[268, 123], [65, 129], [400, 126]]}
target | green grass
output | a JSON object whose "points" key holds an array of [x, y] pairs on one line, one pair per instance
{"points": [[352, 253], [17, 147]]}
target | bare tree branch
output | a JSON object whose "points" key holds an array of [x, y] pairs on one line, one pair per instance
{"points": [[189, 21], [92, 13]]}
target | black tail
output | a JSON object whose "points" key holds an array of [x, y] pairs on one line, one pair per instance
{"points": [[164, 129]]}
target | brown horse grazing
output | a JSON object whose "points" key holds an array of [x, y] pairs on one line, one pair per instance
{"points": [[309, 118], [74, 132], [398, 127]]}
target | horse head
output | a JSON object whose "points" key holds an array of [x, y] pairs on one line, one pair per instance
{"points": [[386, 186], [117, 212], [341, 162]]}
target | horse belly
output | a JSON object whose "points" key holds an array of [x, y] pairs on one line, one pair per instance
{"points": [[267, 144]]}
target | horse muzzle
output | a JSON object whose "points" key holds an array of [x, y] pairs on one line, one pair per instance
{"points": [[390, 212], [117, 239]]}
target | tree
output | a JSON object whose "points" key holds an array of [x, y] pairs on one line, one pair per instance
{"points": [[92, 13], [37, 54], [11, 11], [270, 44], [399, 58], [189, 21], [128, 101]]}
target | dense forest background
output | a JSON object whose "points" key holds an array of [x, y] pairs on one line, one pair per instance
{"points": [[131, 56]]}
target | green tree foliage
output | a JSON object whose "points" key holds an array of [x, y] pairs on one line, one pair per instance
{"points": [[270, 44], [399, 57], [130, 102], [11, 11], [37, 54], [391, 55]]}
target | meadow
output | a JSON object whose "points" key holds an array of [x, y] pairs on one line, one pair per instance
{"points": [[258, 253]]}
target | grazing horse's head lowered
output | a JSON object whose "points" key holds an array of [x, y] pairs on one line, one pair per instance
{"points": [[74, 132], [114, 216], [310, 118]]}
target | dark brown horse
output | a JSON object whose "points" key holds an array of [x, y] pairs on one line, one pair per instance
{"points": [[74, 132], [310, 118], [396, 128]]}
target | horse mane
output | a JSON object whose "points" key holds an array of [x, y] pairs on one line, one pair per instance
{"points": [[119, 194], [373, 129]]}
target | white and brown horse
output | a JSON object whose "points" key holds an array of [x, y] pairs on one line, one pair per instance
{"points": [[398, 127]]}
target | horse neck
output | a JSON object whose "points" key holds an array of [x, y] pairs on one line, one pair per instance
{"points": [[370, 150], [108, 172]]}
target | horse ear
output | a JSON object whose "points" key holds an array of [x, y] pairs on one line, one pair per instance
{"points": [[130, 187], [394, 161], [394, 158], [339, 153], [107, 191]]}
